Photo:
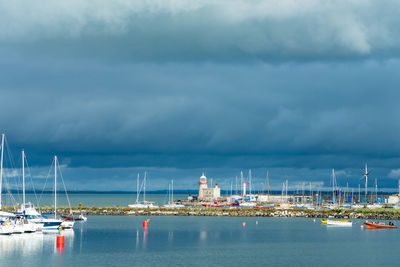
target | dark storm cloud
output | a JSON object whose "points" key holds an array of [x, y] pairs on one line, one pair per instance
{"points": [[205, 114], [203, 30]]}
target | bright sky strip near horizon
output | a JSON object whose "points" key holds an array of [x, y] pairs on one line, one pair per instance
{"points": [[181, 87]]}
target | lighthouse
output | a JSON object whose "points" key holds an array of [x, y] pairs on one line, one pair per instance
{"points": [[202, 185]]}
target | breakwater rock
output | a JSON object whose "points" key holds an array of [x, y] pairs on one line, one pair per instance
{"points": [[381, 214]]}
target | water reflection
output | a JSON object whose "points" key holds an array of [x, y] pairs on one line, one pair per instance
{"points": [[145, 233], [170, 237], [203, 235], [21, 244], [26, 245]]}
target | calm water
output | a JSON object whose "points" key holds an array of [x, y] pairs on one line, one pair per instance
{"points": [[91, 200], [204, 241]]}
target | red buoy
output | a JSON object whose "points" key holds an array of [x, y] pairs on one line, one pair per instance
{"points": [[60, 241], [145, 224], [244, 224]]}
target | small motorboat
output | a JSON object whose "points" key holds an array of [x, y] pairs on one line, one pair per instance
{"points": [[337, 222], [375, 225]]}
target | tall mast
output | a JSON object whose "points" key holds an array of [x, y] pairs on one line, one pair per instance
{"points": [[333, 186], [366, 182], [172, 191], [55, 187], [1, 166], [286, 187], [144, 188], [268, 183], [359, 193], [23, 179], [250, 181], [236, 187], [137, 189]]}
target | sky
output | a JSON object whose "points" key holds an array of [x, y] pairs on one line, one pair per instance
{"points": [[178, 87]]}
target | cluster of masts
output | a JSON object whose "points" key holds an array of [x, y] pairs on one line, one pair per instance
{"points": [[336, 190], [27, 218]]}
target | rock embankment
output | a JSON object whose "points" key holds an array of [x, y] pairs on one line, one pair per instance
{"points": [[387, 214]]}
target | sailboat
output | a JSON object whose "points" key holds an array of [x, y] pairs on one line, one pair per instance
{"points": [[171, 204], [5, 217], [10, 223], [49, 224], [144, 204], [66, 224], [29, 227]]}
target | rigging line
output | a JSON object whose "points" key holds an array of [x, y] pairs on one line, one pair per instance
{"points": [[45, 184], [30, 176], [17, 178], [12, 164], [9, 192], [66, 193]]}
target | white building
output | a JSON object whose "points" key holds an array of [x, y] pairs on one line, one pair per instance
{"points": [[394, 199], [206, 193]]}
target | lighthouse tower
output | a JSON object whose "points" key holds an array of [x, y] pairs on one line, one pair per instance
{"points": [[202, 185]]}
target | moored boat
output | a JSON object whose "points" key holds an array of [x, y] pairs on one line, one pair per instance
{"points": [[69, 217], [264, 206], [212, 205], [374, 225], [171, 204], [247, 204], [337, 222]]}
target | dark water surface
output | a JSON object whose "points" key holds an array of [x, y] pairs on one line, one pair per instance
{"points": [[204, 241]]}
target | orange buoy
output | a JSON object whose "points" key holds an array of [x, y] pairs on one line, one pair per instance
{"points": [[244, 224], [362, 227]]}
